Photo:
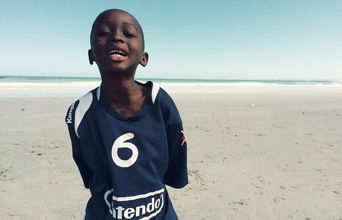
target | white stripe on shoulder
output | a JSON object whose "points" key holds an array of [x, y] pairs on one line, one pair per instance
{"points": [[154, 93], [83, 106], [98, 93]]}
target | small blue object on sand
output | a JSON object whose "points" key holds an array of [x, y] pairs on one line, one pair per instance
{"points": [[22, 109]]}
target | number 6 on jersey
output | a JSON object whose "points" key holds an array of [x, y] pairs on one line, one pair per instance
{"points": [[120, 143]]}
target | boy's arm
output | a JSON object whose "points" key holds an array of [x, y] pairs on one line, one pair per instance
{"points": [[76, 146], [177, 173]]}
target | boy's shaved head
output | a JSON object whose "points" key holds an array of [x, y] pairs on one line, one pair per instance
{"points": [[117, 43], [104, 13]]}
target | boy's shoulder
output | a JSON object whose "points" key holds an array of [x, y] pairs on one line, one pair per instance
{"points": [[158, 94], [168, 107], [78, 108]]}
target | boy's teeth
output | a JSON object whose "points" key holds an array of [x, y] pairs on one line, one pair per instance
{"points": [[118, 53]]}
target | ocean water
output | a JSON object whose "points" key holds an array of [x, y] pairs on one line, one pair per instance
{"points": [[37, 79], [43, 86]]}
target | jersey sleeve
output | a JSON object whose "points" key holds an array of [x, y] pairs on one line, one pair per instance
{"points": [[76, 147], [177, 172]]}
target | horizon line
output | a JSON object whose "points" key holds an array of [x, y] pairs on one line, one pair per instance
{"points": [[186, 79]]}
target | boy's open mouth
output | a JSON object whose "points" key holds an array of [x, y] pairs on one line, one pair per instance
{"points": [[117, 53]]}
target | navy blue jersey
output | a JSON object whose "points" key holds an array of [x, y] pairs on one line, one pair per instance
{"points": [[126, 162]]}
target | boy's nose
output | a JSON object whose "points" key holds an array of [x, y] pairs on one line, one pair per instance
{"points": [[116, 36]]}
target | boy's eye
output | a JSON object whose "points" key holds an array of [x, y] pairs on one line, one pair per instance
{"points": [[103, 33], [129, 34]]}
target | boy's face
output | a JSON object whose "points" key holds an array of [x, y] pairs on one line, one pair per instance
{"points": [[117, 43]]}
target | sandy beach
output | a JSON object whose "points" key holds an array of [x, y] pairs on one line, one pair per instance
{"points": [[274, 154]]}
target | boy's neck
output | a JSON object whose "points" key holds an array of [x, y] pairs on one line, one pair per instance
{"points": [[121, 90]]}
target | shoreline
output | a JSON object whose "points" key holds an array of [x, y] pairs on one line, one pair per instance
{"points": [[77, 89]]}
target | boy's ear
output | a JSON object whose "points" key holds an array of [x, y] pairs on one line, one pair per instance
{"points": [[91, 57], [144, 59]]}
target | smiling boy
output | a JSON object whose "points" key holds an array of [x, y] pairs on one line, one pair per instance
{"points": [[117, 46], [127, 137]]}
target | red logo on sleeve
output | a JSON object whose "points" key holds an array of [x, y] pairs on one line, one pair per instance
{"points": [[183, 138]]}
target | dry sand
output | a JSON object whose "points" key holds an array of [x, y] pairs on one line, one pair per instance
{"points": [[273, 154]]}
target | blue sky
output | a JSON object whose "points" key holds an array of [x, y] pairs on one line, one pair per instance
{"points": [[241, 39]]}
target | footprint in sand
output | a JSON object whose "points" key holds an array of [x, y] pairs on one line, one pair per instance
{"points": [[194, 174]]}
